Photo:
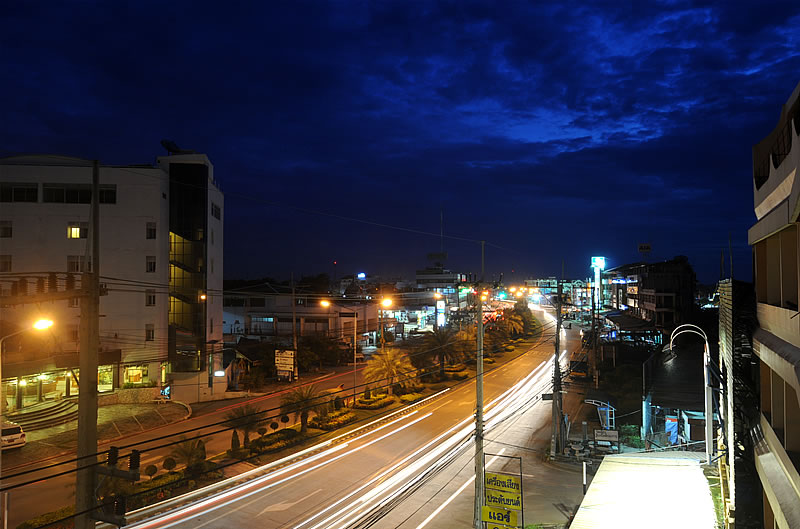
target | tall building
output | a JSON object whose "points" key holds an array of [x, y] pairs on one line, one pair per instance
{"points": [[776, 340], [161, 242]]}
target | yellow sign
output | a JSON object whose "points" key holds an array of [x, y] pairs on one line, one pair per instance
{"points": [[498, 516], [506, 500], [503, 482]]}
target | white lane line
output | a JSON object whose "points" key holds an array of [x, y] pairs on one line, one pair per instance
{"points": [[441, 507]]}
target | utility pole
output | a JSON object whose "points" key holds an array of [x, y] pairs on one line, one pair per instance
{"points": [[294, 330], [87, 383], [478, 524], [557, 444], [593, 345]]}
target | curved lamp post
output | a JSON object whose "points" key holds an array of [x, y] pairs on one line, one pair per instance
{"points": [[709, 410], [325, 303]]}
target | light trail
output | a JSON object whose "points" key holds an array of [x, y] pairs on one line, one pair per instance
{"points": [[382, 489]]}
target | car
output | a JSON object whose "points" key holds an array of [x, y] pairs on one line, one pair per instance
{"points": [[13, 436]]}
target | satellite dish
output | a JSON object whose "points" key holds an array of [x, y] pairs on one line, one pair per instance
{"points": [[172, 148]]}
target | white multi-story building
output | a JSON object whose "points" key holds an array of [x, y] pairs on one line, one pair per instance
{"points": [[161, 242], [776, 340]]}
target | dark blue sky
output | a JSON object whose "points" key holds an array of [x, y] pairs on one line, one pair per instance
{"points": [[552, 132]]}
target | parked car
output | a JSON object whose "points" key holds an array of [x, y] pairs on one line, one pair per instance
{"points": [[12, 436]]}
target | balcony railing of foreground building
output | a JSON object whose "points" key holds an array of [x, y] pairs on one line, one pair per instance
{"points": [[780, 410], [779, 148]]}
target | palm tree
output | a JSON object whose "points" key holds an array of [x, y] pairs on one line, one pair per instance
{"points": [[512, 322], [303, 400], [389, 368], [190, 453], [441, 343], [247, 419]]}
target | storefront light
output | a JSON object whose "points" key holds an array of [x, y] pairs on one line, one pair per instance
{"points": [[219, 373], [23, 382]]}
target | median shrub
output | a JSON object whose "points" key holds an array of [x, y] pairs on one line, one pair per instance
{"points": [[276, 441], [49, 518], [375, 403], [333, 420], [410, 397], [459, 376]]}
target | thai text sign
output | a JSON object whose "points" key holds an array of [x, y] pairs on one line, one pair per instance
{"points": [[284, 360], [499, 516], [506, 500], [606, 435], [504, 482]]}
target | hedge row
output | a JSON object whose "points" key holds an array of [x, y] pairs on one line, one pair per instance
{"points": [[332, 421]]}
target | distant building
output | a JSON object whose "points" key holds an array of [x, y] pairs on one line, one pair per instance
{"points": [[776, 340], [269, 317], [161, 263], [662, 293]]}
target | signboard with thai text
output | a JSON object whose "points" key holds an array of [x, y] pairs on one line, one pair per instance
{"points": [[502, 482], [499, 516], [606, 435], [505, 500], [284, 360]]}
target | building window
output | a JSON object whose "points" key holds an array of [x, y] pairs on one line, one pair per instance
{"points": [[149, 332], [5, 263], [74, 335], [78, 263], [135, 374], [74, 302], [150, 264], [19, 192], [6, 229], [77, 230], [151, 230], [108, 194], [77, 193], [216, 211], [150, 298]]}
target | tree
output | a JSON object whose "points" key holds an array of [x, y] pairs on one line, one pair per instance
{"points": [[302, 401], [441, 344], [246, 419], [389, 368], [190, 453], [512, 322]]}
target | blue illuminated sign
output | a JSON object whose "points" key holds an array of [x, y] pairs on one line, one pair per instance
{"points": [[362, 276]]}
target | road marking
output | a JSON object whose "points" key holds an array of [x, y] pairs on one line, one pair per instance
{"points": [[282, 506]]}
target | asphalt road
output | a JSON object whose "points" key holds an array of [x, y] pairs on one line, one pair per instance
{"points": [[47, 495], [365, 476]]}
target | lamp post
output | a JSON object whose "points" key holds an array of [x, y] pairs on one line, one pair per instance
{"points": [[326, 303], [39, 325], [709, 410], [385, 303]]}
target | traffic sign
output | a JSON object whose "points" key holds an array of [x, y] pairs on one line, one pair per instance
{"points": [[499, 516]]}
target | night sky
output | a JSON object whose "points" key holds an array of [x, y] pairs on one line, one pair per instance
{"points": [[340, 131]]}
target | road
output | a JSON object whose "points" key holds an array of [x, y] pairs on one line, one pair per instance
{"points": [[26, 502], [350, 483]]}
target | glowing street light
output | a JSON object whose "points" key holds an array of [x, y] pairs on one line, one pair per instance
{"points": [[39, 325], [325, 303], [386, 302]]}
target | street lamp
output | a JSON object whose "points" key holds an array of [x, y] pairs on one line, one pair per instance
{"points": [[39, 325], [385, 303], [325, 303], [709, 411]]}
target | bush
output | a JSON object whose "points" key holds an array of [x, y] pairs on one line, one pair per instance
{"points": [[459, 376], [150, 471], [262, 431], [410, 397], [333, 421], [276, 441], [284, 419], [274, 425], [51, 517], [238, 453], [338, 404], [376, 403], [367, 393], [235, 441], [168, 464]]}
